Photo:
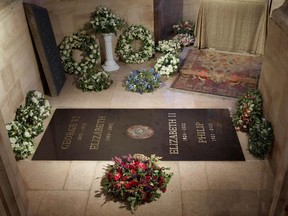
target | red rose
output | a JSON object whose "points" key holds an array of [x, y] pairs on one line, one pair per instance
{"points": [[133, 172], [161, 181], [131, 167], [134, 183], [127, 186], [164, 190], [142, 166], [117, 176], [147, 197], [148, 178], [126, 177]]}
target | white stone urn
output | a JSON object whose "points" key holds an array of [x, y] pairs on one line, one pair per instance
{"points": [[110, 64]]}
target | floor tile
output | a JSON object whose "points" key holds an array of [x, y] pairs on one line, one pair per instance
{"points": [[64, 203], [183, 99], [80, 176], [249, 175], [35, 198], [213, 101], [193, 176], [44, 175], [225, 203], [238, 203], [195, 203]]}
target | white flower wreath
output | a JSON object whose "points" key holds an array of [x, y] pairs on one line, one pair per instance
{"points": [[82, 42], [20, 138], [169, 46], [95, 80], [37, 101], [167, 65], [124, 45], [28, 123]]}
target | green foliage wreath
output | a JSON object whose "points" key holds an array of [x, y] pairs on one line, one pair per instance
{"points": [[87, 44], [124, 45]]}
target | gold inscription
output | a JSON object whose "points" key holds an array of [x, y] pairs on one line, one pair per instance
{"points": [[70, 132], [173, 136], [201, 135], [212, 132], [81, 133], [184, 132], [95, 141], [109, 134]]}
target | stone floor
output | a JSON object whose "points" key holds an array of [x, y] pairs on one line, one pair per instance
{"points": [[201, 188]]}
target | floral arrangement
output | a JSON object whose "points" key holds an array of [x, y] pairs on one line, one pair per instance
{"points": [[87, 44], [167, 65], [248, 110], [184, 27], [124, 45], [21, 140], [94, 80], [169, 46], [184, 39], [136, 179], [261, 138], [37, 100], [249, 118], [143, 81], [31, 118], [103, 20], [28, 123]]}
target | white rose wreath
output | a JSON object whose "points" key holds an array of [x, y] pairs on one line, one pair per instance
{"points": [[167, 65], [82, 42], [124, 45]]}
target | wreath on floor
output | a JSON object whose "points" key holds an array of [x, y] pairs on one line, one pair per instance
{"points": [[124, 47], [87, 44]]}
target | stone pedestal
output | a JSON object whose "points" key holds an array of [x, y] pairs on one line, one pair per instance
{"points": [[110, 64]]}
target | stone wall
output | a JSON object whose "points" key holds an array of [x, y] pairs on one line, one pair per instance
{"points": [[18, 67], [68, 16], [18, 75], [190, 9], [274, 88]]}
